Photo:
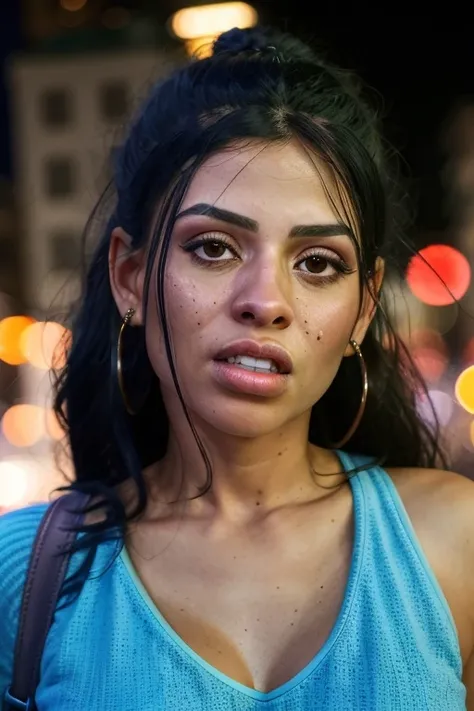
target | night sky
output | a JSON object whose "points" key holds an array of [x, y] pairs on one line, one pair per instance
{"points": [[10, 41], [421, 65]]}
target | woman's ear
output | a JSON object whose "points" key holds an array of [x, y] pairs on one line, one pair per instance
{"points": [[369, 305], [127, 274]]}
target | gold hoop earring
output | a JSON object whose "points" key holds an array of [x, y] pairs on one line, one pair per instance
{"points": [[363, 402], [125, 322]]}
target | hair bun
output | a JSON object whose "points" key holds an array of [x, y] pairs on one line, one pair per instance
{"points": [[236, 40]]}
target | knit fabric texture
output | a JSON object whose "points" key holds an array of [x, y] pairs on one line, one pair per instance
{"points": [[394, 645]]}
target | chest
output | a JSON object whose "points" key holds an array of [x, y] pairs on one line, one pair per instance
{"points": [[256, 611]]}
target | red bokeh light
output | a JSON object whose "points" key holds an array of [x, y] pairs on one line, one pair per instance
{"points": [[430, 353], [432, 268]]}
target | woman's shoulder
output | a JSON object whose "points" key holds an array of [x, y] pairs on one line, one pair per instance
{"points": [[20, 525], [434, 490], [440, 505], [17, 532]]}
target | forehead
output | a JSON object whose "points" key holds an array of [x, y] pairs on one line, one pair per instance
{"points": [[271, 183]]}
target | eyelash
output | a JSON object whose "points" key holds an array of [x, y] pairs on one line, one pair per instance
{"points": [[341, 267]]}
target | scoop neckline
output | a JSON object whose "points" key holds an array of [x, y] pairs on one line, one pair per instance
{"points": [[350, 592]]}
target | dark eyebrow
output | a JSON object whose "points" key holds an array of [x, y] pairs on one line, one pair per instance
{"points": [[218, 213], [331, 230], [246, 223]]}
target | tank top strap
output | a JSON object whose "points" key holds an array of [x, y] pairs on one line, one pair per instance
{"points": [[394, 552]]}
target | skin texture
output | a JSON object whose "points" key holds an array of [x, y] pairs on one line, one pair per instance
{"points": [[273, 494]]}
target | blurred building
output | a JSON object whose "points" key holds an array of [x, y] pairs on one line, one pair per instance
{"points": [[68, 112], [72, 23], [10, 283], [10, 243]]}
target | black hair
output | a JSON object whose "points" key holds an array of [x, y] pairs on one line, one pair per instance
{"points": [[263, 85]]}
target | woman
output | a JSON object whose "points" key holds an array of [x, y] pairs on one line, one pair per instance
{"points": [[232, 391]]}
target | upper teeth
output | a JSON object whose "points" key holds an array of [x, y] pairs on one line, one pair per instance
{"points": [[254, 363]]}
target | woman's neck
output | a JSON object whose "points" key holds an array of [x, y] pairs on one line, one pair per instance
{"points": [[249, 475]]}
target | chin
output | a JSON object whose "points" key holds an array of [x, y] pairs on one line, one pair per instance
{"points": [[245, 419]]}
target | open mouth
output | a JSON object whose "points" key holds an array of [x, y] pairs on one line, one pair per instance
{"points": [[263, 358], [256, 365]]}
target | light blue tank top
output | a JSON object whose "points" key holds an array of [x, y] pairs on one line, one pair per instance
{"points": [[393, 647]]}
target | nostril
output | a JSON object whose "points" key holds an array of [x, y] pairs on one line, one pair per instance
{"points": [[248, 316], [279, 320]]}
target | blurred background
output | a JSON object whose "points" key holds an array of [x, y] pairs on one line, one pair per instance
{"points": [[72, 72]]}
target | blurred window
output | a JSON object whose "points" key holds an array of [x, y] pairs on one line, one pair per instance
{"points": [[114, 101], [56, 108], [60, 176], [64, 249]]}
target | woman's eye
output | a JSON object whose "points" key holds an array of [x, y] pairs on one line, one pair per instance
{"points": [[212, 250], [315, 264]]}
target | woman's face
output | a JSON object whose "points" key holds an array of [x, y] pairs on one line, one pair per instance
{"points": [[262, 291]]}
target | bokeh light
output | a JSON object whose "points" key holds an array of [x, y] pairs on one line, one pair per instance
{"points": [[14, 483], [442, 404], [430, 354], [24, 425], [464, 389], [210, 20], [53, 426], [200, 47], [44, 345], [441, 318], [436, 271], [11, 331]]}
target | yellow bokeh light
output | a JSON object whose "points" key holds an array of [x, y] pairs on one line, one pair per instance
{"points": [[11, 331], [210, 20], [44, 345], [464, 389], [24, 425], [200, 47]]}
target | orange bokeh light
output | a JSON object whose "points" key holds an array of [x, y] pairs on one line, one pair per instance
{"points": [[44, 345], [432, 268], [11, 331], [53, 426], [23, 425], [464, 389]]}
